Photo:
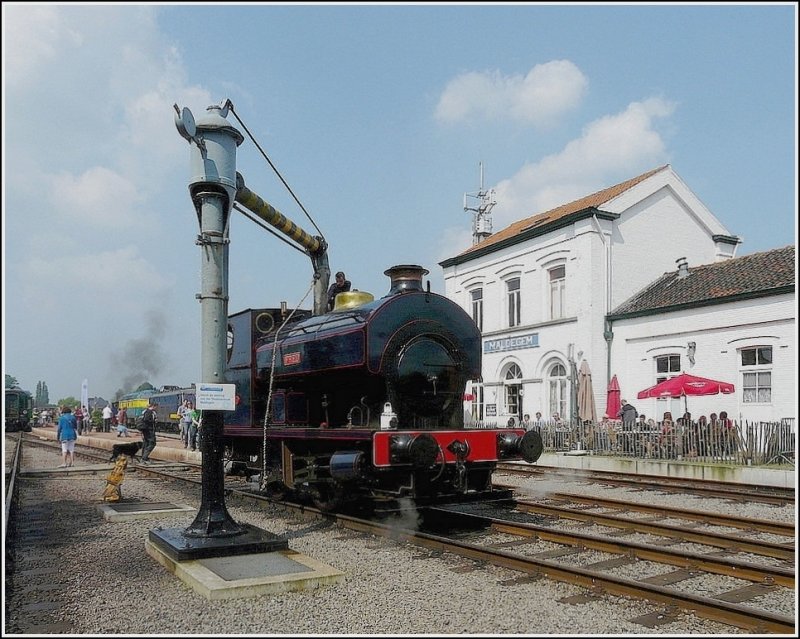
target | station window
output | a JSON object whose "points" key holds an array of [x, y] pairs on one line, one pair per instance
{"points": [[477, 307], [477, 401], [513, 384], [757, 375], [557, 383], [513, 302], [667, 366], [557, 285]]}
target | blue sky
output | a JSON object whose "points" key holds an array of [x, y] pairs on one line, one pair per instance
{"points": [[378, 117]]}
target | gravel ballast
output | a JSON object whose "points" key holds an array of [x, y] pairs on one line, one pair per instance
{"points": [[111, 585]]}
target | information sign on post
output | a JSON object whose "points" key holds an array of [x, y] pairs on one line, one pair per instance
{"points": [[215, 396]]}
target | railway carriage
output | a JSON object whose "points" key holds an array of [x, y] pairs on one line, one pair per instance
{"points": [[134, 404], [167, 402], [19, 410]]}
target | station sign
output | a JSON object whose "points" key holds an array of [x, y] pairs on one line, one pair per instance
{"points": [[215, 396], [531, 340]]}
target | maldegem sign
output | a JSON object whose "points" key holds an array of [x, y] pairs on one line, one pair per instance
{"points": [[531, 340]]}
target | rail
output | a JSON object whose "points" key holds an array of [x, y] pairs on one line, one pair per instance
{"points": [[11, 489]]}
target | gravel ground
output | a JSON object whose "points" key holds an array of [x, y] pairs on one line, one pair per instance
{"points": [[114, 587]]}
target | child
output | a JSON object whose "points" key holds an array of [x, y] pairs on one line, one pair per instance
{"points": [[122, 426]]}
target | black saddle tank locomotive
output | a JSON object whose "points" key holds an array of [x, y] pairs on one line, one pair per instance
{"points": [[366, 400]]}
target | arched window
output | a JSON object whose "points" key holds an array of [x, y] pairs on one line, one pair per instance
{"points": [[513, 385], [558, 386]]}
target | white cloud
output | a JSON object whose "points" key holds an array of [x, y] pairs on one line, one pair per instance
{"points": [[610, 149], [542, 96], [94, 277], [33, 37], [99, 196]]}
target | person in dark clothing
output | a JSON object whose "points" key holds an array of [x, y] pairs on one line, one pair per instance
{"points": [[341, 285], [628, 416], [147, 428]]}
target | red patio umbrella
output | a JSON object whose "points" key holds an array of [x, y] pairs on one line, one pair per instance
{"points": [[685, 384], [612, 400]]}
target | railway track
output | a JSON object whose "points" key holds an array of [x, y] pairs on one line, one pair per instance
{"points": [[707, 488], [604, 563], [610, 547]]}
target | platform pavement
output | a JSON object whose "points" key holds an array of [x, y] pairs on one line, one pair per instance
{"points": [[749, 475], [228, 576], [168, 447]]}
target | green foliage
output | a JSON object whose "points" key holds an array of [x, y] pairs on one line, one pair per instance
{"points": [[42, 397], [11, 381], [69, 401], [145, 386], [97, 419]]}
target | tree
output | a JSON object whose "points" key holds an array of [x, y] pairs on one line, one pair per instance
{"points": [[11, 381], [42, 397], [69, 401], [145, 386]]}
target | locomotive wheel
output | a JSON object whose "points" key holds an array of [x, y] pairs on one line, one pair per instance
{"points": [[327, 498], [276, 490]]}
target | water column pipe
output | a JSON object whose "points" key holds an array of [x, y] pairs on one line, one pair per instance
{"points": [[212, 186]]}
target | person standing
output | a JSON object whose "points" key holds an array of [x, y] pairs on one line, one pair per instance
{"points": [[194, 428], [147, 428], [87, 420], [341, 285], [185, 416], [67, 434], [107, 415], [122, 423], [79, 419], [628, 415]]}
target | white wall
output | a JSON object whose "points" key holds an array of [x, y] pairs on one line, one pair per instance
{"points": [[719, 332]]}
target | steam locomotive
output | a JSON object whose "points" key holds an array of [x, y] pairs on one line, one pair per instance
{"points": [[365, 400]]}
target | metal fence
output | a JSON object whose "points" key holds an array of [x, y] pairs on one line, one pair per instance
{"points": [[751, 443]]}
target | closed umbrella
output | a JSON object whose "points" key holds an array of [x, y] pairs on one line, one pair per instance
{"points": [[684, 385], [612, 399], [586, 410]]}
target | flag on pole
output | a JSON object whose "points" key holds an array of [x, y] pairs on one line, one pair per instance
{"points": [[85, 394]]}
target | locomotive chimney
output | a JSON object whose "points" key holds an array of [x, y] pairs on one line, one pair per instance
{"points": [[405, 277]]}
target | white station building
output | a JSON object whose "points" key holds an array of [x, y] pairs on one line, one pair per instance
{"points": [[641, 281]]}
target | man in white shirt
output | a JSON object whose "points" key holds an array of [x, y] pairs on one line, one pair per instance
{"points": [[107, 415]]}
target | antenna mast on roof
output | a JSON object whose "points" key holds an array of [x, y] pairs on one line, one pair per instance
{"points": [[481, 216]]}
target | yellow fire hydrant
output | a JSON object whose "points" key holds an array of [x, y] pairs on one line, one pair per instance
{"points": [[113, 491]]}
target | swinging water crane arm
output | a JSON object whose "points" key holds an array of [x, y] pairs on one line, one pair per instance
{"points": [[315, 247]]}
